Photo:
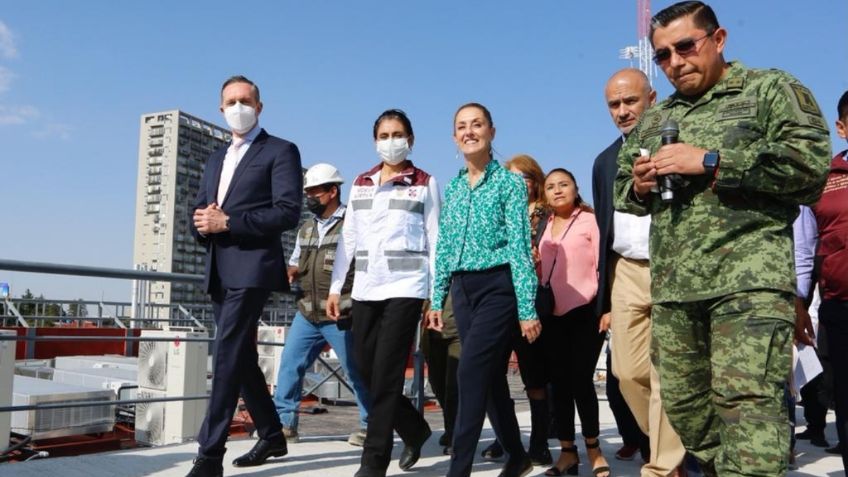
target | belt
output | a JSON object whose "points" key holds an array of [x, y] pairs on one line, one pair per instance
{"points": [[497, 268], [639, 261]]}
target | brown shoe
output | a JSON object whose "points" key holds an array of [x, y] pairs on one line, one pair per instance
{"points": [[626, 452]]}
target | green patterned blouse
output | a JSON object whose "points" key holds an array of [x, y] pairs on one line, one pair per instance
{"points": [[482, 227]]}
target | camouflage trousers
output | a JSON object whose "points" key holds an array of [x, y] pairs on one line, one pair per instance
{"points": [[723, 364]]}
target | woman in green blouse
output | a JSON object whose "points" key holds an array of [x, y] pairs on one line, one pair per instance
{"points": [[483, 256]]}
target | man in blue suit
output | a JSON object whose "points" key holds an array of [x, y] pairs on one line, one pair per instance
{"points": [[251, 192]]}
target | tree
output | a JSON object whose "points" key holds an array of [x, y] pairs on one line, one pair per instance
{"points": [[78, 309], [27, 309]]}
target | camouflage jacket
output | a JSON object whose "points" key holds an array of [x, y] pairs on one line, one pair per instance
{"points": [[737, 234]]}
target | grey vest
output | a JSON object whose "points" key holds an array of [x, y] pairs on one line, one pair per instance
{"points": [[316, 269]]}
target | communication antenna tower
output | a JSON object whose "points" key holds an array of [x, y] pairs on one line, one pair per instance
{"points": [[643, 52]]}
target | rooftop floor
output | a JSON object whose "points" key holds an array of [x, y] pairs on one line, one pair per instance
{"points": [[323, 450]]}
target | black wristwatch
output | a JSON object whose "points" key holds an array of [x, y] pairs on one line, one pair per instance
{"points": [[711, 160], [227, 223]]}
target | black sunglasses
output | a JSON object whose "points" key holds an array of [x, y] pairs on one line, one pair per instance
{"points": [[684, 47]]}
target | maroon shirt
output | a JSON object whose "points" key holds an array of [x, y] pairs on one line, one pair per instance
{"points": [[832, 218]]}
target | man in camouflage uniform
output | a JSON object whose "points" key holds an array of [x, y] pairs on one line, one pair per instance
{"points": [[752, 147]]}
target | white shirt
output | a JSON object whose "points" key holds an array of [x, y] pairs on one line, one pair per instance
{"points": [[390, 232], [323, 225], [232, 160], [630, 235]]}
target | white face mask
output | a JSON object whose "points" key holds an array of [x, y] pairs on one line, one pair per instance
{"points": [[393, 151], [240, 117]]}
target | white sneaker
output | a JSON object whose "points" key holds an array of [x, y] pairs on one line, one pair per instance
{"points": [[357, 438], [291, 435]]}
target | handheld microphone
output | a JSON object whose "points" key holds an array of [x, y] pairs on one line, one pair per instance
{"points": [[668, 135]]}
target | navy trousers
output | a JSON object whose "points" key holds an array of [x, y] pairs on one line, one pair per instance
{"points": [[486, 314], [236, 370]]}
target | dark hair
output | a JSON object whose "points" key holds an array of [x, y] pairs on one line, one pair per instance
{"points": [[478, 106], [578, 201], [394, 114], [328, 187], [240, 79], [703, 16], [842, 107]]}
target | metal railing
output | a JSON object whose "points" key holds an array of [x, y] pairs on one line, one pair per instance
{"points": [[138, 308], [142, 308], [334, 371]]}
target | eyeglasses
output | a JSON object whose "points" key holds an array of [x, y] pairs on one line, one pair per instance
{"points": [[684, 47]]}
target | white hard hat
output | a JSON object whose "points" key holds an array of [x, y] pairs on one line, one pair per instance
{"points": [[320, 174]]}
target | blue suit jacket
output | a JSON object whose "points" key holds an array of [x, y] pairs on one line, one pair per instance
{"points": [[603, 177], [263, 201]]}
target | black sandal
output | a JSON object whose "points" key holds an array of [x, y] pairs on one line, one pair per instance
{"points": [[571, 470], [596, 471]]}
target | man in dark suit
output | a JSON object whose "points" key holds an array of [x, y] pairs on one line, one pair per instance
{"points": [[624, 289], [251, 192]]}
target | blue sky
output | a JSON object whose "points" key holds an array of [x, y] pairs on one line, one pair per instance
{"points": [[76, 76]]}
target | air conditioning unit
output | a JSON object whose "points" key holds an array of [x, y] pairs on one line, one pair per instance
{"points": [[171, 368], [150, 419], [269, 354], [121, 381], [40, 372], [95, 361], [7, 373], [270, 334], [49, 423], [270, 365]]}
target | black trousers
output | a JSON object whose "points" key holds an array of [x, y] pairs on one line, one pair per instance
{"points": [[442, 355], [815, 412], [237, 370], [486, 314], [834, 316], [532, 363], [572, 345], [383, 334], [627, 426]]}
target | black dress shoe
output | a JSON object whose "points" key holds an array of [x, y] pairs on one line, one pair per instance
{"points": [[412, 452], [367, 472], [494, 451], [816, 437], [540, 456], [206, 467], [837, 449], [516, 467], [261, 451]]}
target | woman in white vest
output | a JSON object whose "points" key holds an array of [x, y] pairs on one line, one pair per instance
{"points": [[390, 234]]}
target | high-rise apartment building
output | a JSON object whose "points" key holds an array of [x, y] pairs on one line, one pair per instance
{"points": [[172, 152]]}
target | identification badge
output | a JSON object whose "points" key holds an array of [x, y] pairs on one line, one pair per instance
{"points": [[737, 109], [329, 259]]}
